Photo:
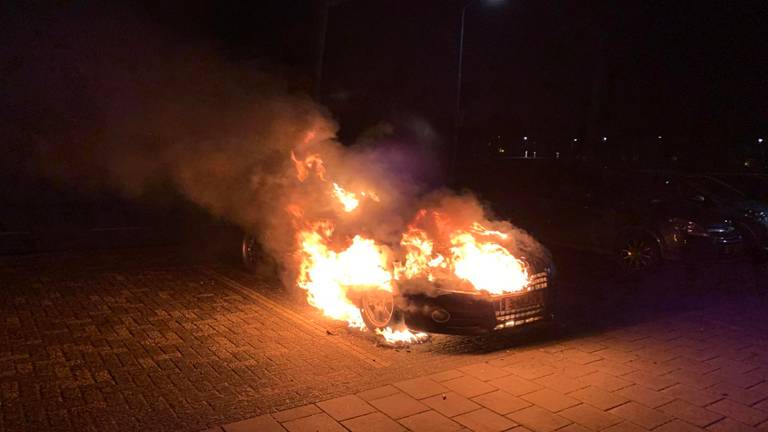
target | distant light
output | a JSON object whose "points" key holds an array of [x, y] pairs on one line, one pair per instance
{"points": [[501, 150], [759, 140], [525, 138], [659, 137], [605, 138], [575, 140]]}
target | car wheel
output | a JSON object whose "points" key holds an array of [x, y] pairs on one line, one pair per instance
{"points": [[250, 252], [638, 253], [377, 307]]}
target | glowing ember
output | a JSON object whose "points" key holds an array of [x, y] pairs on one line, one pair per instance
{"points": [[401, 336]]}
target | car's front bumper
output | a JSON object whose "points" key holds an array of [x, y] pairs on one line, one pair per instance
{"points": [[465, 313]]}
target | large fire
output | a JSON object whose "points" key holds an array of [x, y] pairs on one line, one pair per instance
{"points": [[338, 271]]}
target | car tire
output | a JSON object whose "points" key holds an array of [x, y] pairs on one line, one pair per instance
{"points": [[638, 253], [250, 252], [379, 311]]}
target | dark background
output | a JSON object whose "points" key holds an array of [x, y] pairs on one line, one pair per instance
{"points": [[631, 71]]}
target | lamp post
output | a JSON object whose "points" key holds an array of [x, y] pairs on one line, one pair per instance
{"points": [[460, 66], [324, 9]]}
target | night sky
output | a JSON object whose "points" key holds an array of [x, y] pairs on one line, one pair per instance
{"points": [[693, 72]]}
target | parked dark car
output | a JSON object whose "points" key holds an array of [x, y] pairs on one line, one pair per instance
{"points": [[749, 215], [638, 218]]}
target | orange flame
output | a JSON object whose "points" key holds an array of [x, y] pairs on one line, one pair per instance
{"points": [[348, 199], [485, 264], [330, 277]]}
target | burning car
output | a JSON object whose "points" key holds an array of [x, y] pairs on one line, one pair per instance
{"points": [[448, 268], [423, 292]]}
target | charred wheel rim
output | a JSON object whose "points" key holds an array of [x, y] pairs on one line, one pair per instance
{"points": [[250, 251], [637, 254], [378, 307]]}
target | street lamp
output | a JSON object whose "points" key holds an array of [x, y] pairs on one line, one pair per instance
{"points": [[460, 67], [324, 10]]}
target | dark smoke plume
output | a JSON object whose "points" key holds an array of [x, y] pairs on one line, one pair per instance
{"points": [[107, 101]]}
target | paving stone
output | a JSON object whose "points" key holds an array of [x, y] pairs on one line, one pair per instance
{"points": [[613, 367], [692, 394], [518, 428], [739, 412], [589, 416], [694, 379], [616, 355], [736, 393], [532, 373], [575, 370], [598, 398], [743, 380], [538, 419], [550, 400], [421, 387], [469, 386], [561, 383], [484, 371], [430, 421], [263, 423], [345, 407], [450, 404], [762, 388], [581, 357], [625, 427], [648, 418], [515, 385], [373, 422], [605, 381], [728, 425], [648, 397], [294, 413], [573, 427], [447, 375], [650, 380], [314, 423], [399, 405], [501, 402], [762, 405], [484, 420], [678, 426], [690, 413], [378, 392]]}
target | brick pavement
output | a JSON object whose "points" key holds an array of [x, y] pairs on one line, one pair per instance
{"points": [[705, 370], [145, 341], [149, 340]]}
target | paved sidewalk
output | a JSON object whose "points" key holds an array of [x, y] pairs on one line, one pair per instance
{"points": [[705, 370]]}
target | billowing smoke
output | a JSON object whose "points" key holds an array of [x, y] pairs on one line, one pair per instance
{"points": [[115, 103]]}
